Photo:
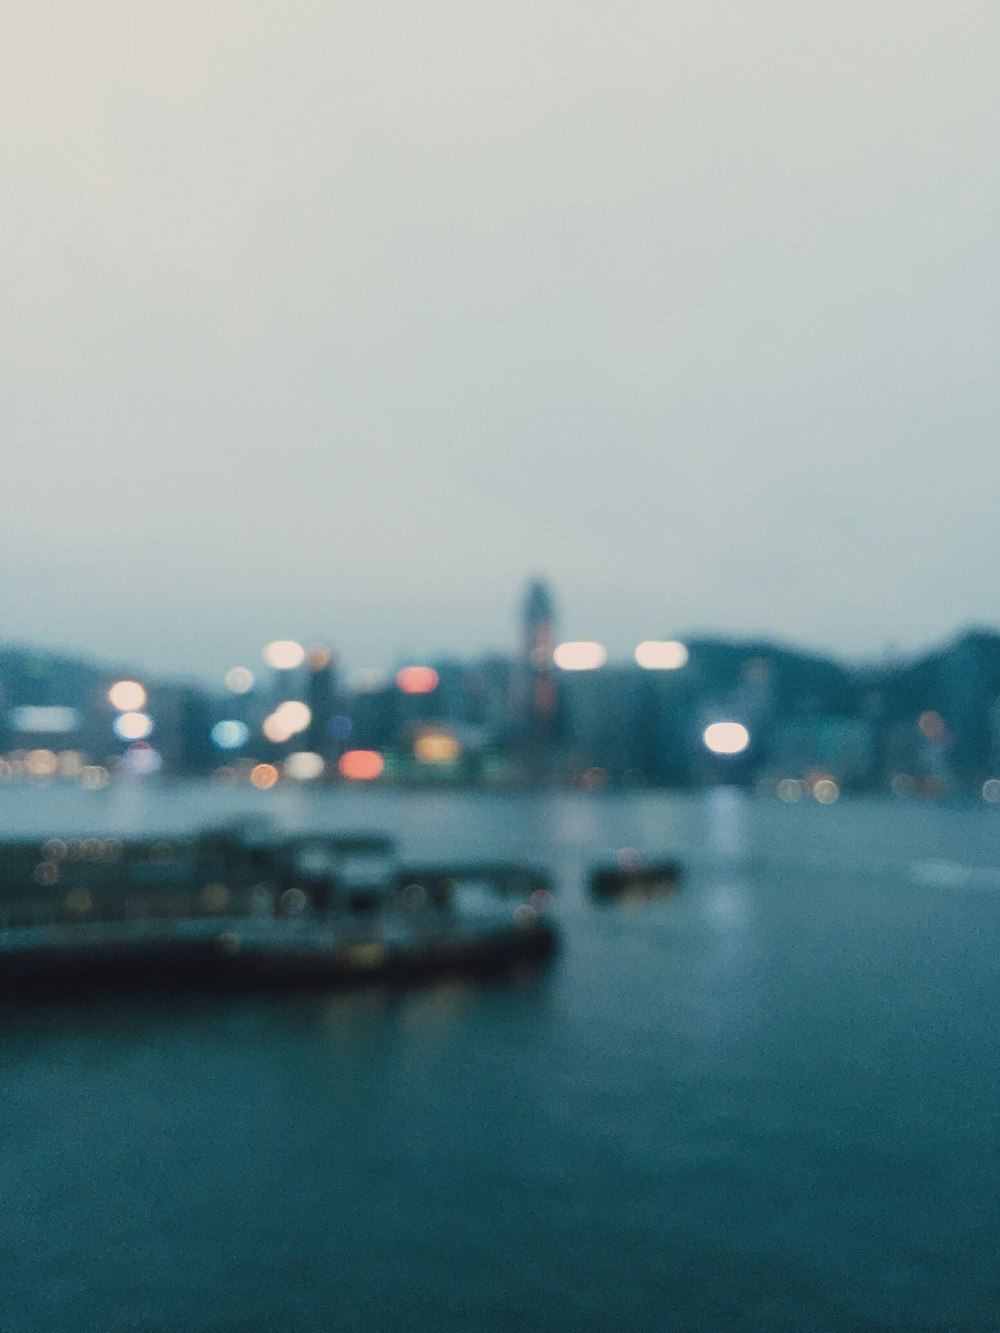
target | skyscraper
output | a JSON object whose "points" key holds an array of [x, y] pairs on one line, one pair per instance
{"points": [[537, 707]]}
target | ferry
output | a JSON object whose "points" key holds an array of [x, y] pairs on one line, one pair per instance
{"points": [[239, 906]]}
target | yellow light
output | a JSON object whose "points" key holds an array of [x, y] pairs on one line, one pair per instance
{"points": [[304, 765], [436, 747], [581, 656], [239, 680], [127, 696], [726, 737], [263, 776], [826, 791], [661, 655], [41, 763], [284, 654]]}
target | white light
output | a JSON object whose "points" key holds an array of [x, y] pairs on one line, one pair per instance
{"points": [[368, 680], [304, 765], [661, 655], [287, 720], [582, 656], [126, 696], [239, 680], [142, 761], [133, 726], [295, 715], [726, 737], [44, 717], [284, 654]]}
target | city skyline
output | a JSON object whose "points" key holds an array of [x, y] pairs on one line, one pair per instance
{"points": [[210, 670], [323, 321]]}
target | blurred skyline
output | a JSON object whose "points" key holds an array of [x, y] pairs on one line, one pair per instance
{"points": [[339, 321]]}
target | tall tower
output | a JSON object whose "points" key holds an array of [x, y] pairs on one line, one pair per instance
{"points": [[538, 711]]}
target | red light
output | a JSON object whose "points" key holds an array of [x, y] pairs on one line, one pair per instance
{"points": [[417, 679], [361, 765]]}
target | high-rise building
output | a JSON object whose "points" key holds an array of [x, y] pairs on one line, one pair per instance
{"points": [[537, 704]]}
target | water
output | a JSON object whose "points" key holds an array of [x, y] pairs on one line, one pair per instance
{"points": [[768, 1103]]}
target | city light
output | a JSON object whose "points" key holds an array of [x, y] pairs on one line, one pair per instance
{"points": [[133, 726], [726, 737], [580, 656], [239, 680], [339, 727], [284, 654], [141, 760], [661, 655], [361, 765], [263, 776], [417, 679], [48, 719], [127, 696], [437, 747], [368, 680], [230, 734], [304, 765], [287, 720], [41, 763], [318, 657]]}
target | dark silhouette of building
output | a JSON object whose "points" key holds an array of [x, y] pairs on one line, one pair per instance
{"points": [[537, 706]]}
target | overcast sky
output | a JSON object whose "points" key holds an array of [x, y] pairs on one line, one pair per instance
{"points": [[331, 320]]}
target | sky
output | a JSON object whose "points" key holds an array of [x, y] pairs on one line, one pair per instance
{"points": [[338, 321]]}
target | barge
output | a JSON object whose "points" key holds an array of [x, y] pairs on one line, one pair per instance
{"points": [[241, 907]]}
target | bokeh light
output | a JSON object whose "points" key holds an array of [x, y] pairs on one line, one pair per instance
{"points": [[726, 737], [361, 765], [287, 720], [304, 765], [826, 791], [931, 725], [127, 696], [141, 760], [263, 776], [661, 655], [41, 763], [239, 680], [368, 680], [230, 734], [339, 727], [583, 655], [417, 679], [133, 726], [437, 747], [284, 654]]}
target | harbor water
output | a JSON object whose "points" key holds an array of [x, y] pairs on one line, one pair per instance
{"points": [[768, 1102]]}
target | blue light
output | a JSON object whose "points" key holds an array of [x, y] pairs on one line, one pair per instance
{"points": [[230, 734], [339, 727]]}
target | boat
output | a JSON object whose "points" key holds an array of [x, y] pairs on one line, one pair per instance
{"points": [[634, 880], [240, 906]]}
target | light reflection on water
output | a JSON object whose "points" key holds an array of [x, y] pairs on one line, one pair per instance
{"points": [[766, 1102]]}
